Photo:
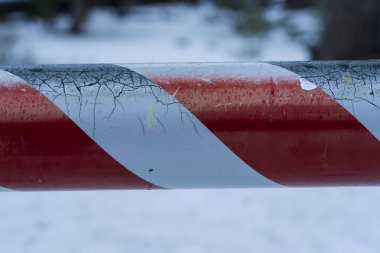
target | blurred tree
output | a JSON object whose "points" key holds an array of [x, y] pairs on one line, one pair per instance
{"points": [[46, 9], [250, 18], [49, 9], [242, 4], [298, 4], [78, 11], [351, 30], [7, 41]]}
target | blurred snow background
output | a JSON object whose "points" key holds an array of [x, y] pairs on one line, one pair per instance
{"points": [[156, 33], [238, 220]]}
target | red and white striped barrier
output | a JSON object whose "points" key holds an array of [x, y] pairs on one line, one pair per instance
{"points": [[191, 125]]}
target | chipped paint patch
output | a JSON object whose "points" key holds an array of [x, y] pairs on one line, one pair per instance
{"points": [[175, 93], [347, 78], [151, 119], [306, 84]]}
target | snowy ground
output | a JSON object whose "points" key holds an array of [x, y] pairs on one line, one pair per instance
{"points": [[250, 220]]}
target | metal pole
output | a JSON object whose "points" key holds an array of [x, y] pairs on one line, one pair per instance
{"points": [[190, 125]]}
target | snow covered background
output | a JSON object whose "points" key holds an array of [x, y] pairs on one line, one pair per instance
{"points": [[249, 220]]}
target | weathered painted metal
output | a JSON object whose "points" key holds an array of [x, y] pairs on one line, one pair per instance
{"points": [[189, 125]]}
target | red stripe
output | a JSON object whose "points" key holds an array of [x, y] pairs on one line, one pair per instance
{"points": [[41, 148], [292, 136]]}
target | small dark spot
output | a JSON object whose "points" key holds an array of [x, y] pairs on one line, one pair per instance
{"points": [[371, 93], [308, 65], [36, 69], [343, 65], [150, 170]]}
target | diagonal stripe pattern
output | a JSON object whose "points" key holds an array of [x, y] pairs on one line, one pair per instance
{"points": [[210, 125]]}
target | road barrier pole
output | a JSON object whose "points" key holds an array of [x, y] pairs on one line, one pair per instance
{"points": [[190, 125]]}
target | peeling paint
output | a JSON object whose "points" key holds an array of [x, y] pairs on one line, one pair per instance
{"points": [[306, 84], [151, 119], [347, 79]]}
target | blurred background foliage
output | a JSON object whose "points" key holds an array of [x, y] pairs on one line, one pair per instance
{"points": [[349, 29]]}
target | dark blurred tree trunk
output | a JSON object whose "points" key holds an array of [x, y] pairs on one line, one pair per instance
{"points": [[78, 12], [352, 30], [298, 4]]}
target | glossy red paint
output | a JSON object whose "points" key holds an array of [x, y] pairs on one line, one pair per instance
{"points": [[42, 149], [292, 136]]}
